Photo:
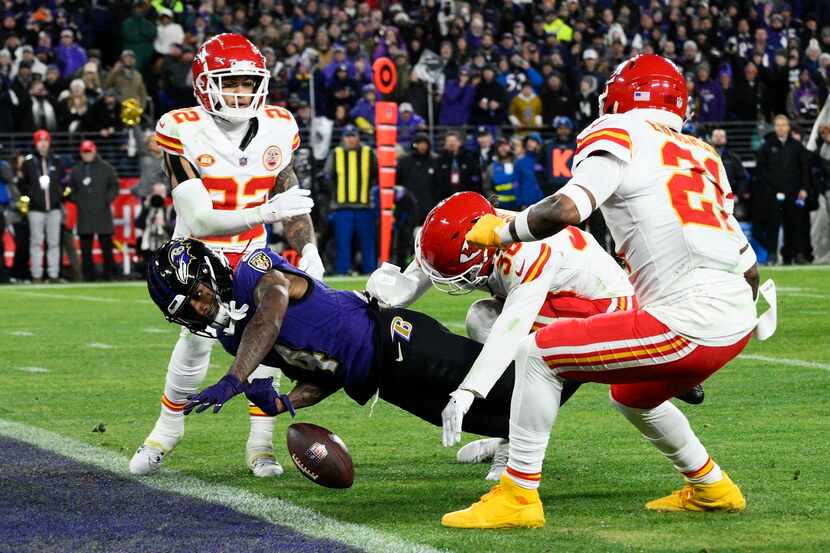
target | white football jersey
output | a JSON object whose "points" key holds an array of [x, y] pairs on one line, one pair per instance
{"points": [[234, 178], [586, 270], [670, 217]]}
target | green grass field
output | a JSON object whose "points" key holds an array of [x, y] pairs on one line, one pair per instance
{"points": [[105, 350]]}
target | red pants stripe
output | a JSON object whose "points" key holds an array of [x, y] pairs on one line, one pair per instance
{"points": [[644, 360]]}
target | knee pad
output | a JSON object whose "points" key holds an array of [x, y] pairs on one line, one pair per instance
{"points": [[480, 318]]}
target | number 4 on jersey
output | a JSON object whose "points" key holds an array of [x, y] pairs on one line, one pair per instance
{"points": [[692, 199]]}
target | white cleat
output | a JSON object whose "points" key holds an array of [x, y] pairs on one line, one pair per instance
{"points": [[264, 465], [499, 464], [479, 451], [147, 460]]}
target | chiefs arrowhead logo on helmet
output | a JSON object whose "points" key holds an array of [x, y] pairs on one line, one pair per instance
{"points": [[452, 264]]}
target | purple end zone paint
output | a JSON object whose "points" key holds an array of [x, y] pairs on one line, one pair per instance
{"points": [[51, 503]]}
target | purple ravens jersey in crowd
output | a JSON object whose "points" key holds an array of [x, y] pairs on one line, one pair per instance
{"points": [[327, 337]]}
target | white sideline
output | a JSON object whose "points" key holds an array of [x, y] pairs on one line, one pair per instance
{"points": [[271, 509], [785, 361]]}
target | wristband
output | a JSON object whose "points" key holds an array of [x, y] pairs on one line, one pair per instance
{"points": [[522, 228], [287, 403]]}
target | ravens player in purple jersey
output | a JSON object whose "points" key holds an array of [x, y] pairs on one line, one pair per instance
{"points": [[268, 311]]}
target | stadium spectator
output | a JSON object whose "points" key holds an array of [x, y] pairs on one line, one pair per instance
{"points": [[125, 80], [363, 113], [558, 157], [457, 100], [150, 171], [418, 173], [735, 173], [105, 115], [556, 98], [527, 187], [351, 172], [73, 107], [154, 224], [712, 104], [138, 34], [176, 89], [484, 147], [168, 32], [54, 83], [27, 55], [803, 101], [502, 178], [587, 102], [490, 103], [41, 113], [752, 98], [342, 91], [92, 82], [409, 123], [458, 168], [94, 186], [70, 55], [526, 108], [42, 183], [780, 194]]}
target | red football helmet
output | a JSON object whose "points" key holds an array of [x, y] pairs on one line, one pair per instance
{"points": [[451, 263], [223, 56], [645, 81]]}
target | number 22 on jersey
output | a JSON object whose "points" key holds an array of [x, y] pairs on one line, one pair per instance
{"points": [[695, 189]]}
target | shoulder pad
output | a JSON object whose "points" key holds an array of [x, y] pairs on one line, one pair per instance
{"points": [[167, 133], [610, 133], [284, 122]]}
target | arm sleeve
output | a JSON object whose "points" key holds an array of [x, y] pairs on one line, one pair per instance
{"points": [[193, 204], [600, 174], [514, 323]]}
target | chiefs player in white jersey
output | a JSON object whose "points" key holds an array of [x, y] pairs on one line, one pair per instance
{"points": [[533, 284], [667, 202], [224, 157]]}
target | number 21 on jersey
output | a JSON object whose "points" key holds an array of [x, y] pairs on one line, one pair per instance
{"points": [[695, 189]]}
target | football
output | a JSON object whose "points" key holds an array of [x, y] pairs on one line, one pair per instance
{"points": [[320, 455]]}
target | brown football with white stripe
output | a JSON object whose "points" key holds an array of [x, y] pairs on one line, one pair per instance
{"points": [[320, 455]]}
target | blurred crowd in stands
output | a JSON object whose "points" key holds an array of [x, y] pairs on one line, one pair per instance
{"points": [[491, 96]]}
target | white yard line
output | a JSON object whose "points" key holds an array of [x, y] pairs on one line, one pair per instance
{"points": [[32, 369], [785, 361], [74, 297], [272, 509]]}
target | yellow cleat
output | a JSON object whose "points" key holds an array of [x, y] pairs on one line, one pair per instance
{"points": [[506, 505], [720, 496]]}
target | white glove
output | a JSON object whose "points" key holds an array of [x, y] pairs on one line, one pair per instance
{"points": [[453, 415], [383, 284], [310, 262], [294, 201]]}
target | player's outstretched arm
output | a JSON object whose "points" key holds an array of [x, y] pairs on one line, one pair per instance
{"points": [[593, 181], [271, 297], [299, 230]]}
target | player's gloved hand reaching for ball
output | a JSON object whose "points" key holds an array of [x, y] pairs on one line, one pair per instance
{"points": [[453, 415], [215, 395]]}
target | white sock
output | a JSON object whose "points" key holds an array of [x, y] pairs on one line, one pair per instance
{"points": [[668, 429], [261, 437], [533, 410], [185, 372]]}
